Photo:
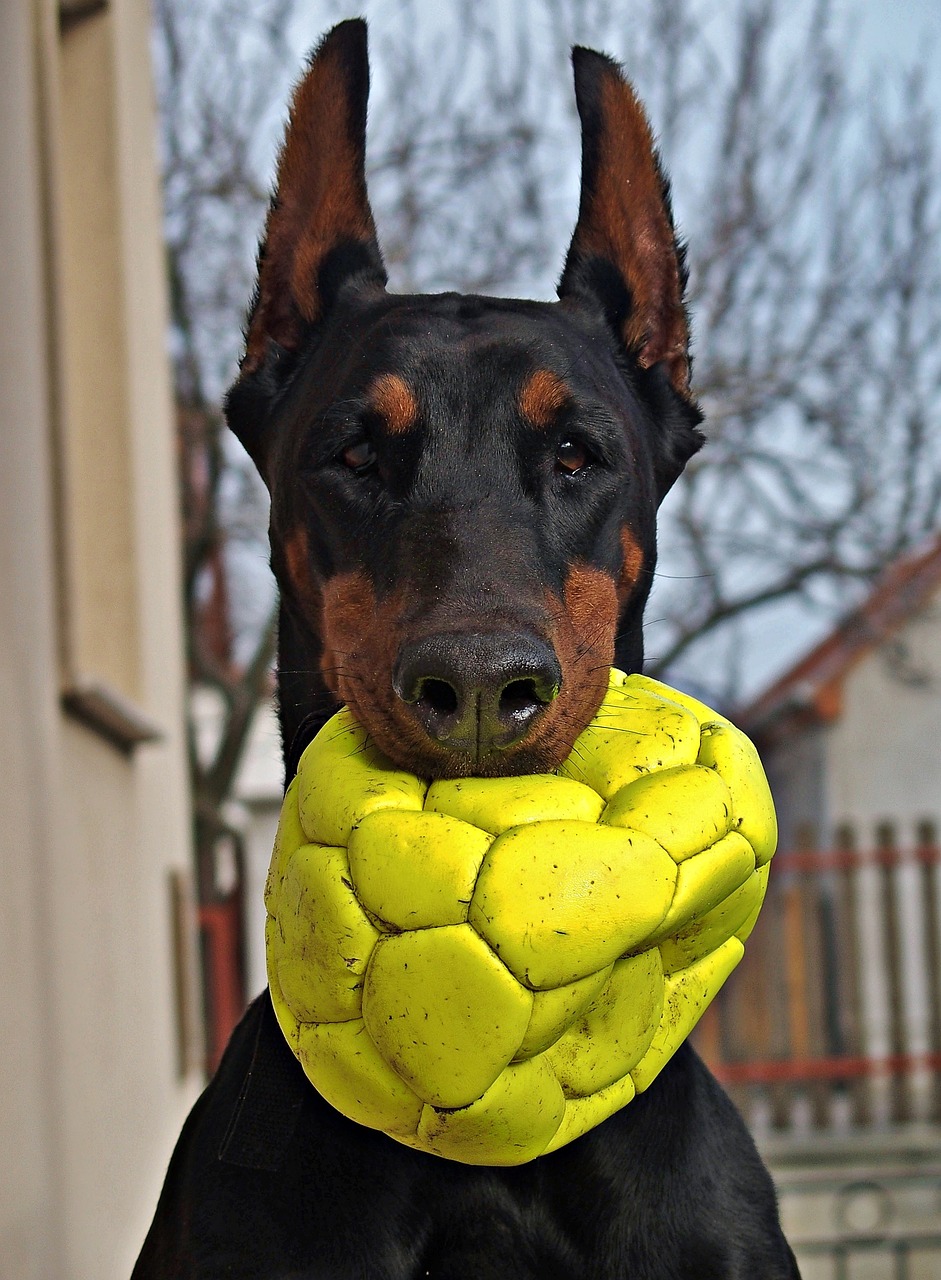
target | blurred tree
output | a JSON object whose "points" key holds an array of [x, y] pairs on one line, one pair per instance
{"points": [[812, 203]]}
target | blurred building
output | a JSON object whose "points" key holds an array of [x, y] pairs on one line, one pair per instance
{"points": [[851, 735], [829, 1035], [100, 1019]]}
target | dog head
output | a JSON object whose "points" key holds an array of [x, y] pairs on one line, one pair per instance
{"points": [[464, 489]]}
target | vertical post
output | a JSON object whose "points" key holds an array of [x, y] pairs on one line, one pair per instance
{"points": [[751, 1009], [849, 966], [795, 965], [831, 1013], [887, 858], [812, 898], [779, 985], [708, 1040], [709, 1036], [927, 855]]}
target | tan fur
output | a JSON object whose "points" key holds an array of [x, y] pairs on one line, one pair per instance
{"points": [[542, 396], [362, 636], [631, 565], [297, 562], [394, 401], [626, 222], [321, 202]]}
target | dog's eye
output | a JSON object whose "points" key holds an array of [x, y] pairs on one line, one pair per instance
{"points": [[359, 458], [571, 458]]}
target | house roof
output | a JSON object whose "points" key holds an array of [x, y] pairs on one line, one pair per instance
{"points": [[811, 691]]}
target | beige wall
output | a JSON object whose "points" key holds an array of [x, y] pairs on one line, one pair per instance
{"points": [[91, 1095], [884, 752]]}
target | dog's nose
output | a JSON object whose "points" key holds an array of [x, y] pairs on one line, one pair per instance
{"points": [[477, 693]]}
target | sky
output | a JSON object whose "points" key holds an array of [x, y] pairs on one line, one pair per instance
{"points": [[897, 32], [891, 35]]}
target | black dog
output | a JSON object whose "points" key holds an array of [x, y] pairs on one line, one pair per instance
{"points": [[464, 493]]}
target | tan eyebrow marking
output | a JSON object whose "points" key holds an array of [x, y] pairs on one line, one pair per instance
{"points": [[542, 396], [394, 400]]}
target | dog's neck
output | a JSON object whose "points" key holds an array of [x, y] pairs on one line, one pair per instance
{"points": [[305, 704], [629, 641]]}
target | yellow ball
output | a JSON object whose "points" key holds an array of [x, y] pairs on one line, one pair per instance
{"points": [[486, 968]]}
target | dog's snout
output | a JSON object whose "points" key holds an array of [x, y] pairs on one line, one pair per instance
{"points": [[477, 693]]}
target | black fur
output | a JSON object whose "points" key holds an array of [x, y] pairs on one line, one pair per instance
{"points": [[670, 1188]]}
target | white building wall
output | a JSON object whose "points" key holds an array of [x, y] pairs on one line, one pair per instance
{"points": [[259, 789], [91, 1097], [253, 812]]}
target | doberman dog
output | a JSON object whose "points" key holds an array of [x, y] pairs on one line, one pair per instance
{"points": [[463, 502]]}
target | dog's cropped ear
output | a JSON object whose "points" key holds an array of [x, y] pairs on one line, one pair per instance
{"points": [[624, 256], [320, 237]]}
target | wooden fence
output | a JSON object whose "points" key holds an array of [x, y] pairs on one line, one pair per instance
{"points": [[833, 1018]]}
